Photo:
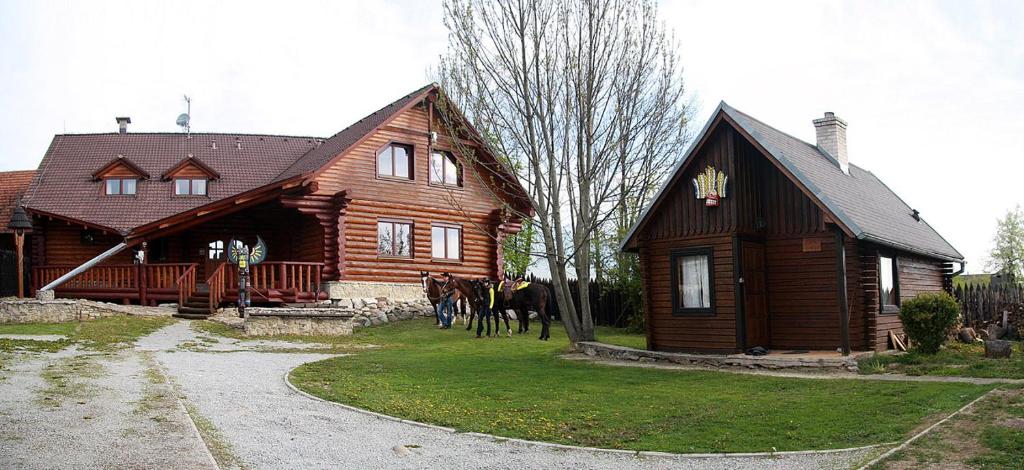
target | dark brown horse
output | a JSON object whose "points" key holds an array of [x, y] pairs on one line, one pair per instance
{"points": [[473, 291], [435, 290], [533, 297]]}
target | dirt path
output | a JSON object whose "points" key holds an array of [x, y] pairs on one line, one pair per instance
{"points": [[796, 375]]}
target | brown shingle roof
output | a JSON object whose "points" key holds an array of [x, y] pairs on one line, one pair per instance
{"points": [[63, 184], [12, 185]]}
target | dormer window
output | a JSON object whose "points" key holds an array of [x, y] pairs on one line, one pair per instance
{"points": [[191, 177], [189, 187], [444, 169], [121, 186]]}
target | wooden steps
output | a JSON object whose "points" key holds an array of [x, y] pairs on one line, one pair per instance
{"points": [[197, 307]]}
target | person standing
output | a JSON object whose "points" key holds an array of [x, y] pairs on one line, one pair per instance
{"points": [[446, 307], [486, 297]]}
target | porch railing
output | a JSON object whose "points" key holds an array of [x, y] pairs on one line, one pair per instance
{"points": [[217, 287], [281, 281], [156, 282], [186, 284]]}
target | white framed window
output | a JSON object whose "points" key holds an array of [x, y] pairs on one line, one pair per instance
{"points": [[121, 186], [189, 187]]}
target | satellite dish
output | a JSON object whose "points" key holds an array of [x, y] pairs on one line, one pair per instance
{"points": [[183, 120]]}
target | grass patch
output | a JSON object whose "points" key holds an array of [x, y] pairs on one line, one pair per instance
{"points": [[988, 435], [621, 337], [518, 387], [221, 449], [64, 329], [67, 379], [955, 359]]}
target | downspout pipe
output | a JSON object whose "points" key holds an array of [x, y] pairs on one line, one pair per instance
{"points": [[85, 266]]}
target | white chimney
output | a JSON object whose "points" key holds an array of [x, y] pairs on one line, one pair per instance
{"points": [[122, 123], [831, 133]]}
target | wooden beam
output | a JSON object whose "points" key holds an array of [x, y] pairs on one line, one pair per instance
{"points": [[844, 305]]}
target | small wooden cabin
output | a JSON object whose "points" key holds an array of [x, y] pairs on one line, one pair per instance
{"points": [[760, 239], [409, 188]]}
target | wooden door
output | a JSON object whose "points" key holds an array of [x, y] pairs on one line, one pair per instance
{"points": [[755, 295], [214, 257]]}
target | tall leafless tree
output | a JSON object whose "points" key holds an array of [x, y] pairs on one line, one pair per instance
{"points": [[587, 97]]}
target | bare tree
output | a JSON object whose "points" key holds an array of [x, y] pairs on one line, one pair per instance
{"points": [[587, 98]]}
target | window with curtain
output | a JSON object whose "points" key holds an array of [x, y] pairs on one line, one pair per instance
{"points": [[394, 239], [888, 280], [444, 169], [395, 161], [120, 186], [189, 187], [446, 242], [691, 278]]}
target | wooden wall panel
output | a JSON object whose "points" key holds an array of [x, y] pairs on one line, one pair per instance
{"points": [[693, 332], [63, 245], [373, 198]]}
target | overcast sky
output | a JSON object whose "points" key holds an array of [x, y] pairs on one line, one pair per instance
{"points": [[932, 91]]}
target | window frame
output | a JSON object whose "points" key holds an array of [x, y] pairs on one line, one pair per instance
{"points": [[412, 238], [674, 257], [120, 186], [446, 227], [410, 150], [447, 155], [884, 308], [191, 186]]}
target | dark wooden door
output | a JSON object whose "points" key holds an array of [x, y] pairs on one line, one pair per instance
{"points": [[755, 295]]}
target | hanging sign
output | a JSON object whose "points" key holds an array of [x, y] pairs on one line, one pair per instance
{"points": [[710, 186]]}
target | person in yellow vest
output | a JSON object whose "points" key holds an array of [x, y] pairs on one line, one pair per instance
{"points": [[486, 295]]}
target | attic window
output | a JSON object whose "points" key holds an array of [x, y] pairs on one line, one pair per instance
{"points": [[120, 186], [444, 170], [395, 161], [189, 187]]}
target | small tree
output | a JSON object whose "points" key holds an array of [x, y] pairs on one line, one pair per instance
{"points": [[1007, 255], [928, 318]]}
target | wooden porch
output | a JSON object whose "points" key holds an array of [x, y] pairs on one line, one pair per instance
{"points": [[149, 284]]}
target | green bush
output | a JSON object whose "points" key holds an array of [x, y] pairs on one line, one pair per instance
{"points": [[928, 318]]}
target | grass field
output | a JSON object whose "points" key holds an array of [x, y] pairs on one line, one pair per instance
{"points": [[519, 387], [955, 359], [99, 334]]}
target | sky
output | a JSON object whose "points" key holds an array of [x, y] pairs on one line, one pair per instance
{"points": [[932, 91]]}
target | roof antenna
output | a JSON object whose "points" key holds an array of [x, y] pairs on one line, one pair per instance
{"points": [[184, 119]]}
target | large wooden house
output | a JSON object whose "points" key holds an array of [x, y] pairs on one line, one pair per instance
{"points": [[761, 239], [408, 188]]}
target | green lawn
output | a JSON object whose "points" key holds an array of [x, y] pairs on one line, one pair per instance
{"points": [[621, 337], [955, 359], [518, 387], [99, 334]]}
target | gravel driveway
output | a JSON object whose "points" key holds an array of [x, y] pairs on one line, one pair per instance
{"points": [[249, 417]]}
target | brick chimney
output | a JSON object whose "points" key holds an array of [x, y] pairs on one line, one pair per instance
{"points": [[831, 133], [122, 123]]}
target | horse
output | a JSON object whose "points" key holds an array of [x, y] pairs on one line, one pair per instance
{"points": [[435, 290], [477, 295], [532, 297]]}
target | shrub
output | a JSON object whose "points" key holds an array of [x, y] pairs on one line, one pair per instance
{"points": [[928, 318]]}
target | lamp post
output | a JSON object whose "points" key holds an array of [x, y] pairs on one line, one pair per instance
{"points": [[19, 224]]}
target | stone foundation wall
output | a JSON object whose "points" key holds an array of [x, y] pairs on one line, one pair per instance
{"points": [[363, 289], [623, 353], [14, 310], [340, 317]]}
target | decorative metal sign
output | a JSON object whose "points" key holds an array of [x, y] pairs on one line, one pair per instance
{"points": [[710, 186], [240, 254]]}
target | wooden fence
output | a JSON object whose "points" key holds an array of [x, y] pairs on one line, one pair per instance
{"points": [[981, 304], [608, 307]]}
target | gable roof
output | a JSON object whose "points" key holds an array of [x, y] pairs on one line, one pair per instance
{"points": [[120, 160], [190, 160], [859, 202], [12, 186], [244, 163]]}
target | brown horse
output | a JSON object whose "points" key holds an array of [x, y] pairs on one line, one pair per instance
{"points": [[474, 292], [533, 297], [435, 290]]}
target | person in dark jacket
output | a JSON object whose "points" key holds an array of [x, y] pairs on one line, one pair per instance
{"points": [[485, 292]]}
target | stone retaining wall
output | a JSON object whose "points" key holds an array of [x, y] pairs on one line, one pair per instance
{"points": [[721, 360], [14, 310], [340, 317], [364, 289]]}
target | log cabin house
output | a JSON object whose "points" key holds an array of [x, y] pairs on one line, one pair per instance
{"points": [[408, 188], [760, 239]]}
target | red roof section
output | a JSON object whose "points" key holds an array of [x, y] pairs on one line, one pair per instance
{"points": [[12, 185]]}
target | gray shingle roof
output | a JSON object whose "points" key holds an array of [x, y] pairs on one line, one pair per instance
{"points": [[860, 201]]}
